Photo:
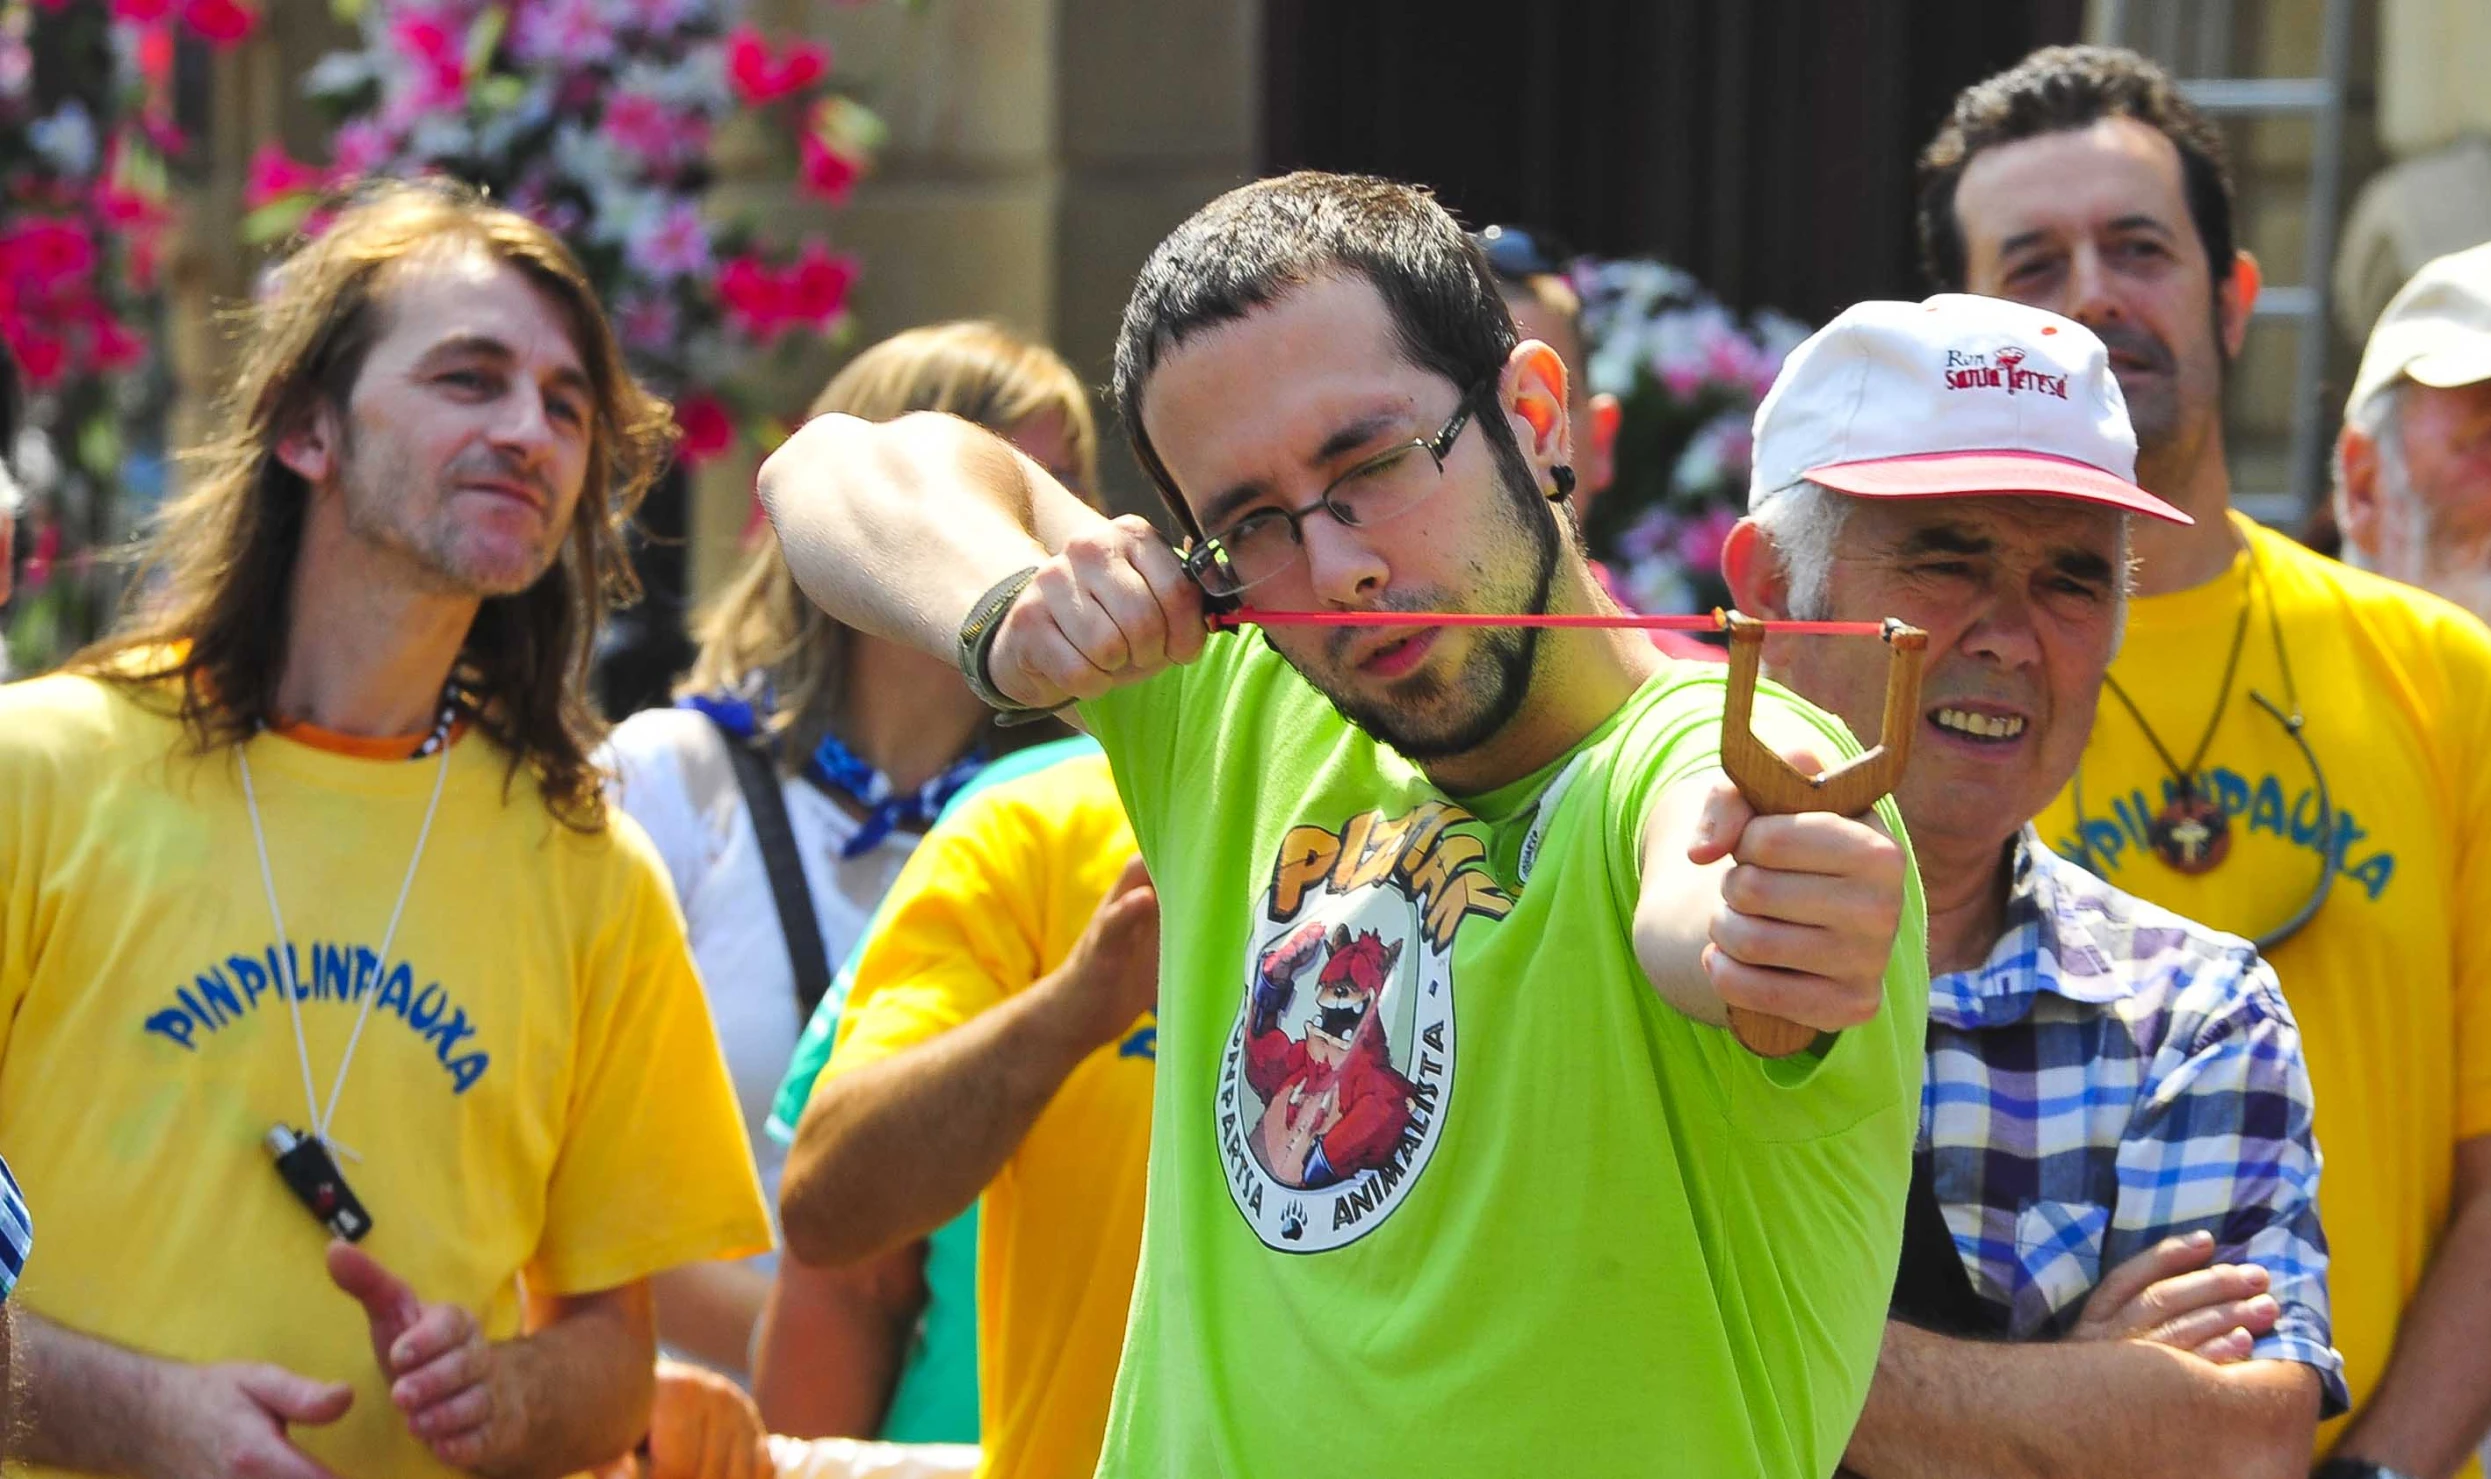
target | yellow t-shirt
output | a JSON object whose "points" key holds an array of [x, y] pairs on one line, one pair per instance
{"points": [[991, 901], [537, 1092], [2391, 980]]}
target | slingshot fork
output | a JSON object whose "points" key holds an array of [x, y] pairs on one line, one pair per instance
{"points": [[1775, 787]]}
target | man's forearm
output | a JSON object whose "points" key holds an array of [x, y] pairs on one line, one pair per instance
{"points": [[77, 1402], [896, 528], [2430, 1407], [1942, 1408], [707, 1311], [575, 1393], [890, 1151], [832, 1342]]}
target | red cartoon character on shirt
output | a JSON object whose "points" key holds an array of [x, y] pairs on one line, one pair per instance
{"points": [[1334, 1106]]}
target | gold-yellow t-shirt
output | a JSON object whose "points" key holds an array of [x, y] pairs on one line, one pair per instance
{"points": [[991, 901], [2391, 980], [537, 1092]]}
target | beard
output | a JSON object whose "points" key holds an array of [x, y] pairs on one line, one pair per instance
{"points": [[1428, 717], [435, 551]]}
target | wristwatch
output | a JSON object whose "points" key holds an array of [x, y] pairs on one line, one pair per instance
{"points": [[977, 647], [2356, 1468]]}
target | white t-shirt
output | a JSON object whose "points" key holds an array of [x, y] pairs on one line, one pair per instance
{"points": [[670, 772]]}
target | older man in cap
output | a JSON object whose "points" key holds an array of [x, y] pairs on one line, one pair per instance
{"points": [[2115, 1152], [2413, 463]]}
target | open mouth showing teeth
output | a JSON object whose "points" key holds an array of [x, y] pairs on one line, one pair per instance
{"points": [[1340, 1022], [1978, 726]]}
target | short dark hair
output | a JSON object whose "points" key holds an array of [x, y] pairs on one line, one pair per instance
{"points": [[2056, 89], [1258, 242]]}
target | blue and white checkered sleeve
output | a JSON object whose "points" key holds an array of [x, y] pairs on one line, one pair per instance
{"points": [[2221, 1140], [17, 1231]]}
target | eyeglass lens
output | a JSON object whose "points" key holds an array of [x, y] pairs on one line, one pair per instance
{"points": [[1384, 487]]}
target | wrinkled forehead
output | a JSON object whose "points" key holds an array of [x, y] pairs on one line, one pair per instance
{"points": [[460, 293], [2070, 182]]}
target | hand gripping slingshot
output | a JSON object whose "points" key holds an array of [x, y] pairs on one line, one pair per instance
{"points": [[1771, 784]]}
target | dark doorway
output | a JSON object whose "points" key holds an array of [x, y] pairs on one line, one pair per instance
{"points": [[1765, 145]]}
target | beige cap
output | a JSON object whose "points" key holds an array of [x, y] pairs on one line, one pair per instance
{"points": [[2436, 330]]}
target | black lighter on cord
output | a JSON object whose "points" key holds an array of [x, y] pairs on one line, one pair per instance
{"points": [[311, 1173]]}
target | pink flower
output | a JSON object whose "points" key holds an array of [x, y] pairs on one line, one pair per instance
{"points": [[766, 303], [674, 244], [125, 210], [759, 77], [818, 286], [115, 347], [707, 429], [755, 296], [571, 32], [823, 170], [647, 129], [141, 12], [276, 175], [1700, 539], [436, 45], [647, 323], [361, 147], [42, 356], [221, 23], [48, 254]]}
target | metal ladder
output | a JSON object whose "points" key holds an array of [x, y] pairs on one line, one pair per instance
{"points": [[2320, 98]]}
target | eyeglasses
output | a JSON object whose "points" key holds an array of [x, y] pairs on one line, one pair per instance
{"points": [[1383, 487], [1519, 252]]}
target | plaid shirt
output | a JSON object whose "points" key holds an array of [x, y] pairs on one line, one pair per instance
{"points": [[17, 1231], [2111, 1076]]}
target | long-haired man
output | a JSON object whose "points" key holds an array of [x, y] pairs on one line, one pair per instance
{"points": [[348, 1033]]}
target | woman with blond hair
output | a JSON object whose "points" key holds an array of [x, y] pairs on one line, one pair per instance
{"points": [[801, 764]]}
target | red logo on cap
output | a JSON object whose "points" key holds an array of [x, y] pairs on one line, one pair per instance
{"points": [[2002, 369]]}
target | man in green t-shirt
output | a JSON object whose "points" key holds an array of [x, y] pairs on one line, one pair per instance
{"points": [[1454, 1168]]}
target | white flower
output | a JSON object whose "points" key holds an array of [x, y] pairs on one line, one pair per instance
{"points": [[340, 73], [620, 213], [669, 241], [66, 140], [440, 136]]}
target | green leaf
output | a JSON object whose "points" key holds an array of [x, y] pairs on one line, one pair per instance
{"points": [[276, 220], [484, 38], [500, 92], [347, 11], [99, 447]]}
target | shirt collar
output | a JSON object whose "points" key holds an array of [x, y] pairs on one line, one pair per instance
{"points": [[2047, 944]]}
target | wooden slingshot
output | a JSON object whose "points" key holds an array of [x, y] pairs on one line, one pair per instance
{"points": [[1775, 787]]}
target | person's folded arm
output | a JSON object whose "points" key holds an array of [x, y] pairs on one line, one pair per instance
{"points": [[1946, 1408]]}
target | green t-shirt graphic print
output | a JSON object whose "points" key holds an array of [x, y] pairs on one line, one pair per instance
{"points": [[1439, 1186]]}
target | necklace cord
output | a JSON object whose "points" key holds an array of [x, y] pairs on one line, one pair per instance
{"points": [[2294, 724], [322, 1118], [2187, 776]]}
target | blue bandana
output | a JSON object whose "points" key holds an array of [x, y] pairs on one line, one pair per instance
{"points": [[834, 767]]}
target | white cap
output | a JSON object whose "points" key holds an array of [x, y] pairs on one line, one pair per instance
{"points": [[1958, 396], [2436, 330]]}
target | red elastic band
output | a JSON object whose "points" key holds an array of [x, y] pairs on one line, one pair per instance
{"points": [[1716, 621]]}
